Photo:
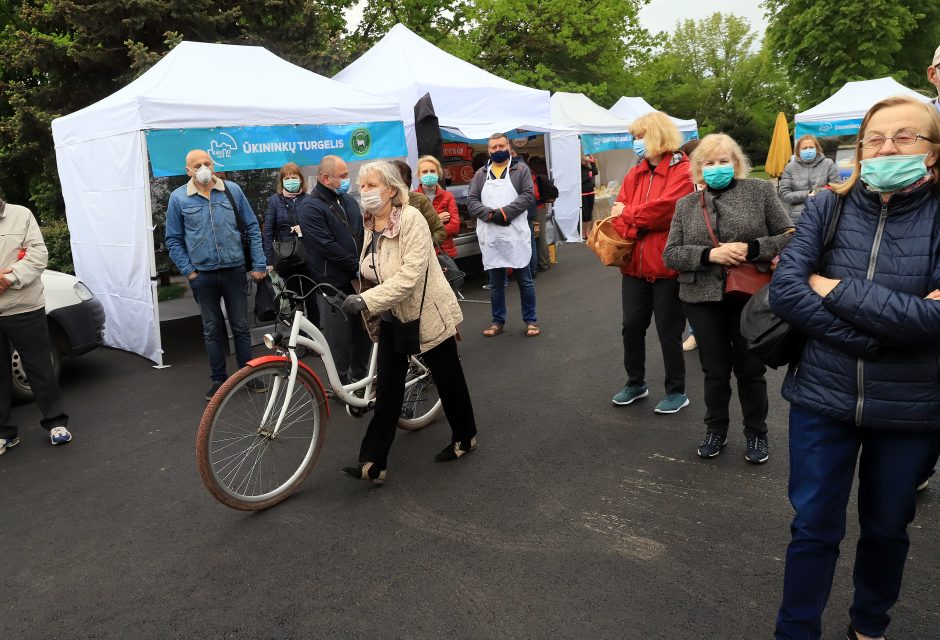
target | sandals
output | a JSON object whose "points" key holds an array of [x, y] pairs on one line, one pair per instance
{"points": [[493, 330], [532, 330]]}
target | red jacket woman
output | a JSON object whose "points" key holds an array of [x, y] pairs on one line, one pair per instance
{"points": [[429, 173]]}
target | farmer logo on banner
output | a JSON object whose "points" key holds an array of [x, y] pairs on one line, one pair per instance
{"points": [[360, 141], [222, 147]]}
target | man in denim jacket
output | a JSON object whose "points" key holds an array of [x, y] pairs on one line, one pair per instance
{"points": [[204, 241]]}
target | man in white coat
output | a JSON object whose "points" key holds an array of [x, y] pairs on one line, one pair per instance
{"points": [[500, 196]]}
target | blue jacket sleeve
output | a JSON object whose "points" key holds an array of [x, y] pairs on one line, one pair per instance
{"points": [[175, 237], [268, 231], [793, 300], [258, 262], [896, 317]]}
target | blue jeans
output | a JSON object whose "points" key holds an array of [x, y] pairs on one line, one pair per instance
{"points": [[498, 294], [210, 288], [823, 453]]}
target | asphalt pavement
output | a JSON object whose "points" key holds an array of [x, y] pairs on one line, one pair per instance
{"points": [[573, 519]]}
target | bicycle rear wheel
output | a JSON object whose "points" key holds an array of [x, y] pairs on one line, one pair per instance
{"points": [[422, 404], [243, 462]]}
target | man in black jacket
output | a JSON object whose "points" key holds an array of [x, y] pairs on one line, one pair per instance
{"points": [[332, 233]]}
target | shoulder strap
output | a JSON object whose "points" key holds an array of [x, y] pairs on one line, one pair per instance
{"points": [[708, 223], [833, 222], [238, 218]]}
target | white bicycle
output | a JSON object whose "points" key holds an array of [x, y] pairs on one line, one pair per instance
{"points": [[262, 433]]}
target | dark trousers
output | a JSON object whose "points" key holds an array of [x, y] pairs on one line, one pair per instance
{"points": [[348, 340], [721, 350], [210, 289], [642, 300], [823, 453], [29, 334], [448, 376]]}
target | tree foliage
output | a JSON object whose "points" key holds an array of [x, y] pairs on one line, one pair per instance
{"points": [[709, 70], [824, 44]]}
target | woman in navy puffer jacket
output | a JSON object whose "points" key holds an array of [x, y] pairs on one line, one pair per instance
{"points": [[869, 375]]}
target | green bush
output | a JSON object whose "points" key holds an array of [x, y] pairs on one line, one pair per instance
{"points": [[56, 235]]}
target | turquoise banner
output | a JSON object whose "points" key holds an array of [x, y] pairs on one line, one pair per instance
{"points": [[596, 142], [234, 148], [830, 128], [689, 135]]}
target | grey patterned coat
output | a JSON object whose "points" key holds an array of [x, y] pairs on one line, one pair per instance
{"points": [[746, 211], [799, 178]]}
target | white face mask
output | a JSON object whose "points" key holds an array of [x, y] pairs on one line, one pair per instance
{"points": [[372, 200], [204, 175]]}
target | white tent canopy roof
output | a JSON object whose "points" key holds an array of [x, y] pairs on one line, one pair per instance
{"points": [[631, 108], [232, 92], [577, 111], [854, 100], [464, 96]]}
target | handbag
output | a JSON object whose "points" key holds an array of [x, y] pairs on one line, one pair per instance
{"points": [[288, 254], [265, 311], [242, 229], [604, 241], [743, 280], [408, 334], [772, 340]]}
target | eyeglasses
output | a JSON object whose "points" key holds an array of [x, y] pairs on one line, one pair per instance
{"points": [[900, 139]]}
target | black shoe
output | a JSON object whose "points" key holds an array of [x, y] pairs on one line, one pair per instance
{"points": [[366, 471], [256, 386], [455, 449], [712, 444], [757, 450], [215, 387]]}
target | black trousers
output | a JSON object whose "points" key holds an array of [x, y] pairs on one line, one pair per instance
{"points": [[448, 375], [722, 350], [642, 300], [29, 334]]}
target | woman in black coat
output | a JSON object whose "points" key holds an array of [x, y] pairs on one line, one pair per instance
{"points": [[281, 224], [866, 388]]}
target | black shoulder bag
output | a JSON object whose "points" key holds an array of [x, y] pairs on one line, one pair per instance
{"points": [[289, 255], [772, 340], [242, 230]]}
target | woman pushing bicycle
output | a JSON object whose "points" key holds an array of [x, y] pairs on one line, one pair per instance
{"points": [[409, 308]]}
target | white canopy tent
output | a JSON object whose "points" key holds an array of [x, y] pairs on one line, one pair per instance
{"points": [[841, 114], [631, 108], [579, 115], [468, 101], [102, 157]]}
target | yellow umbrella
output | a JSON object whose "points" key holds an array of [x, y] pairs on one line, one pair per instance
{"points": [[780, 147]]}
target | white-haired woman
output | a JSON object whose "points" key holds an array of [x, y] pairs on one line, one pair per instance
{"points": [[407, 283], [735, 220]]}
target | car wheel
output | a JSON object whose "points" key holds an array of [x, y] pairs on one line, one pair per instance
{"points": [[21, 389]]}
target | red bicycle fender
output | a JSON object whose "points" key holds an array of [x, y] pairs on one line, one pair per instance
{"points": [[316, 378]]}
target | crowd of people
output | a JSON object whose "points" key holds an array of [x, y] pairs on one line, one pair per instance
{"points": [[855, 264]]}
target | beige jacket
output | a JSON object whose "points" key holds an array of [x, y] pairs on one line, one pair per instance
{"points": [[19, 230], [403, 254]]}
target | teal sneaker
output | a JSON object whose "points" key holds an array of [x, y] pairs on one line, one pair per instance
{"points": [[672, 403], [630, 393]]}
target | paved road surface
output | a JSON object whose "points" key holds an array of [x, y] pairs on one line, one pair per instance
{"points": [[573, 519]]}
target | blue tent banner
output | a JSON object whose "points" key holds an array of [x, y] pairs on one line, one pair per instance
{"points": [[512, 134], [829, 128], [234, 148], [597, 142]]}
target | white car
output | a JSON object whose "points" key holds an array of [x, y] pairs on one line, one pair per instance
{"points": [[76, 326]]}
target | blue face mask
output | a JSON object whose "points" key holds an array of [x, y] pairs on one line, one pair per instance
{"points": [[808, 155], [292, 185], [718, 176], [499, 157], [343, 186], [429, 179], [639, 147], [891, 173]]}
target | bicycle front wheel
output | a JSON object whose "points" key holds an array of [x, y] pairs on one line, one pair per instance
{"points": [[248, 460], [422, 404]]}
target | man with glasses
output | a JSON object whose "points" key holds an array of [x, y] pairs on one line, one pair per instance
{"points": [[933, 76], [332, 234]]}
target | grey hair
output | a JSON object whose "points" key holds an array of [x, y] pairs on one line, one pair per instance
{"points": [[388, 174]]}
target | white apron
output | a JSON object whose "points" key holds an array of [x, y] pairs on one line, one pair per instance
{"points": [[501, 246]]}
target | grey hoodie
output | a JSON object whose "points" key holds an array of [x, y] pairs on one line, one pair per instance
{"points": [[799, 178]]}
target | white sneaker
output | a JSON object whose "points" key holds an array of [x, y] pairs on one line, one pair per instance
{"points": [[59, 435], [8, 443], [690, 344]]}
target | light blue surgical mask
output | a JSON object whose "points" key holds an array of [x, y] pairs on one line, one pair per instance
{"points": [[639, 147], [808, 155], [718, 176], [292, 185], [429, 179], [891, 173], [343, 186]]}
